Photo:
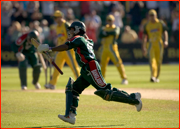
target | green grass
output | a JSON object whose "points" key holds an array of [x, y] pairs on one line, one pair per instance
{"points": [[29, 109], [23, 109], [138, 76]]}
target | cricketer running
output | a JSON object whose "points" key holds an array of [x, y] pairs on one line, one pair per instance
{"points": [[90, 74]]}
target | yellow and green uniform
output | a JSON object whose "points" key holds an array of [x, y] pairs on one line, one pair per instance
{"points": [[154, 31], [108, 37], [66, 56]]}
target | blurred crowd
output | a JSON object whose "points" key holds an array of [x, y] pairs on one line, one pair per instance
{"points": [[18, 17]]}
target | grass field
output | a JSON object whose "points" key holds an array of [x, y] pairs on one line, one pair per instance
{"points": [[22, 109]]}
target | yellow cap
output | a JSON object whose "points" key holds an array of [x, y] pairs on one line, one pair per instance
{"points": [[152, 12], [110, 17], [58, 13]]}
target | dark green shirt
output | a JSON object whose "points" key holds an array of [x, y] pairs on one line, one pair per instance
{"points": [[83, 49]]}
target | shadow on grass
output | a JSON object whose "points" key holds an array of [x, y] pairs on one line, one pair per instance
{"points": [[58, 126]]}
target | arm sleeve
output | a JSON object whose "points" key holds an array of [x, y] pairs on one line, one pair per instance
{"points": [[115, 32], [73, 44], [15, 48], [164, 26], [102, 34], [145, 31]]}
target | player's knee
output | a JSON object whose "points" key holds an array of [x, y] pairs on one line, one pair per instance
{"points": [[37, 69]]}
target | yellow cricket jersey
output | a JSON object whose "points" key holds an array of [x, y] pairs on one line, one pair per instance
{"points": [[61, 32], [155, 31], [111, 35]]}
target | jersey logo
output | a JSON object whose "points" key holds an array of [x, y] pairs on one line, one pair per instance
{"points": [[154, 30], [98, 79], [21, 39], [60, 35]]}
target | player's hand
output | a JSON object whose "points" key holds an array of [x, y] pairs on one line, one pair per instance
{"points": [[20, 56], [43, 47], [165, 44], [144, 50]]}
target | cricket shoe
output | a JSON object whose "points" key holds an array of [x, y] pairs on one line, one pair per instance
{"points": [[70, 119], [37, 86], [24, 87], [50, 86], [124, 82], [153, 79], [138, 97]]}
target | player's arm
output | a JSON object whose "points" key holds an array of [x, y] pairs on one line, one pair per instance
{"points": [[165, 34]]}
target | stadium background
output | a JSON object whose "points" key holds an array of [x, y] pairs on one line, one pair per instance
{"points": [[23, 16]]}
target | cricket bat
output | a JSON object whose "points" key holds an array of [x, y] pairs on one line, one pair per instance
{"points": [[46, 55]]}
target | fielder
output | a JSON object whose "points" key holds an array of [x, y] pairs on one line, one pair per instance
{"points": [[108, 36], [26, 53], [154, 30], [62, 57], [90, 74]]}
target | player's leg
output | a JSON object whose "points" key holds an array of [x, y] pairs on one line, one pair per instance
{"points": [[73, 90], [159, 57], [71, 61], [104, 62], [22, 66], [59, 60], [34, 62], [92, 74], [115, 57], [152, 63]]}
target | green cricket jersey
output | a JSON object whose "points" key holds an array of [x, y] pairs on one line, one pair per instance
{"points": [[83, 49]]}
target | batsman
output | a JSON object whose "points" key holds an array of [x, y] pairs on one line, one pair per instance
{"points": [[26, 53], [90, 74]]}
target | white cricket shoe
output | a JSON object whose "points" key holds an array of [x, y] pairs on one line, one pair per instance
{"points": [[157, 80], [24, 87], [50, 86], [70, 119], [124, 82], [138, 97], [37, 86]]}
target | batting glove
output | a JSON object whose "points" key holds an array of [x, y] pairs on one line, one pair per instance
{"points": [[20, 56], [43, 47]]}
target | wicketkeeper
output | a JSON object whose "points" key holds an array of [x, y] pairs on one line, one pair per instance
{"points": [[26, 53], [90, 74]]}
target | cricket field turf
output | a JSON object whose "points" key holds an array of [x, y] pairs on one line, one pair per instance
{"points": [[39, 109]]}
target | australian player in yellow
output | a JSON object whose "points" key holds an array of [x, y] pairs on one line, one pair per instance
{"points": [[62, 57], [154, 31], [108, 36]]}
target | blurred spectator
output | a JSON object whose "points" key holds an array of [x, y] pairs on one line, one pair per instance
{"points": [[25, 29], [92, 22], [129, 35], [145, 20], [175, 19], [152, 5], [31, 26], [45, 29], [85, 8], [164, 10], [36, 16], [37, 26], [64, 7], [75, 6], [19, 14], [118, 13], [6, 13], [7, 38], [135, 12], [96, 5], [48, 10], [140, 33], [70, 16], [32, 7], [24, 3], [16, 31], [175, 35]]}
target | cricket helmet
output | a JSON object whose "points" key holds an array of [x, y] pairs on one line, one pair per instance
{"points": [[33, 34], [79, 27]]}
